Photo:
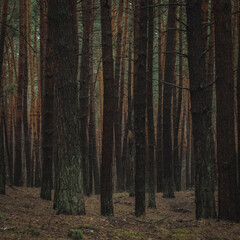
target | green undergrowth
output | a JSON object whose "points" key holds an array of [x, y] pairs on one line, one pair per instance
{"points": [[182, 233], [76, 234], [128, 234], [33, 230]]}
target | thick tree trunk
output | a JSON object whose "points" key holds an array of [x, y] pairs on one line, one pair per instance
{"points": [[204, 180], [108, 108], [226, 155], [140, 38], [168, 186], [69, 176]]}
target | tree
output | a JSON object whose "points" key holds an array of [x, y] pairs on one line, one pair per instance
{"points": [[159, 145], [93, 157], [69, 199], [84, 92], [178, 104], [204, 168], [140, 41], [170, 59], [226, 154], [108, 108], [22, 75], [48, 126], [117, 113], [150, 128], [2, 44]]}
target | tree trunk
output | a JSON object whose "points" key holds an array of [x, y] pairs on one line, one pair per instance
{"points": [[177, 163], [130, 136], [226, 155], [69, 173], [48, 121], [168, 187], [93, 157], [204, 180], [18, 178], [108, 108], [84, 92], [140, 38], [2, 43], [25, 100], [149, 85], [117, 113], [159, 145]]}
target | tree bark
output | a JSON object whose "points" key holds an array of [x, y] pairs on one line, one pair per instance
{"points": [[69, 176], [149, 85], [18, 178], [117, 113], [48, 121], [140, 38], [2, 43], [108, 108], [84, 92], [159, 145], [204, 180], [168, 186], [226, 154]]}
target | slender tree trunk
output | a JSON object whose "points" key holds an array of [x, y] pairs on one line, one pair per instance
{"points": [[108, 108], [177, 163], [130, 136], [69, 176], [159, 145], [18, 178], [168, 189], [2, 43], [188, 151], [140, 105], [117, 113], [48, 121], [149, 85], [10, 121], [122, 91], [226, 155], [93, 157], [84, 92], [25, 99], [204, 180]]}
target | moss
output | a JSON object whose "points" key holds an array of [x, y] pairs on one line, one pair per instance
{"points": [[128, 234], [182, 233], [35, 231], [76, 234]]}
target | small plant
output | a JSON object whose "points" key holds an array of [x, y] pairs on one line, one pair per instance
{"points": [[76, 234], [182, 233], [33, 230], [1, 216]]}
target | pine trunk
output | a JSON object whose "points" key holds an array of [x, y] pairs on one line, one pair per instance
{"points": [[226, 154], [108, 108]]}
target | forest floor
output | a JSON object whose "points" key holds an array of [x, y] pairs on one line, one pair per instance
{"points": [[23, 215]]}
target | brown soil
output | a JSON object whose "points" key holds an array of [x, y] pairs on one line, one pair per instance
{"points": [[23, 215]]}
